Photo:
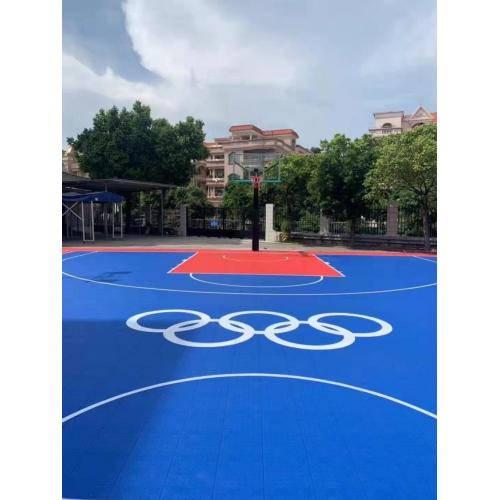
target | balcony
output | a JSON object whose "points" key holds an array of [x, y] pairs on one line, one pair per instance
{"points": [[215, 180], [215, 194], [378, 132], [235, 143]]}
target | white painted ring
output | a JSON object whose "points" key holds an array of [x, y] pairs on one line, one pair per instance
{"points": [[384, 329]]}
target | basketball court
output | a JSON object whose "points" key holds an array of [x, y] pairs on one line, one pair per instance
{"points": [[195, 374]]}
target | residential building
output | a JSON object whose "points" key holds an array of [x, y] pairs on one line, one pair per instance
{"points": [[70, 164], [396, 122], [212, 173]]}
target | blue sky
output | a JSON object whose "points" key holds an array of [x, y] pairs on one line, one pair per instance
{"points": [[317, 66]]}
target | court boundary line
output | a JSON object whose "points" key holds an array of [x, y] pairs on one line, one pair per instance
{"points": [[139, 249], [423, 258], [208, 292], [80, 255], [342, 275], [183, 261], [321, 278], [248, 375]]}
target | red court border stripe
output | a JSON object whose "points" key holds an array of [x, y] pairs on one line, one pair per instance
{"points": [[369, 253]]}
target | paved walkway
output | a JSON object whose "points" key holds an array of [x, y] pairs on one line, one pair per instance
{"points": [[196, 242]]}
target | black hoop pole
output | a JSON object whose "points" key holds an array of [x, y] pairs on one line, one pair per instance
{"points": [[255, 222]]}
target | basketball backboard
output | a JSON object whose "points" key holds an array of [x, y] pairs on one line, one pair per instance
{"points": [[249, 164]]}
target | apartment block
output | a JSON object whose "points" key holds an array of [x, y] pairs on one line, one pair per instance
{"points": [[396, 122], [212, 173]]}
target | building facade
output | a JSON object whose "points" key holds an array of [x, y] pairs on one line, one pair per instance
{"points": [[396, 122], [70, 164], [212, 174]]}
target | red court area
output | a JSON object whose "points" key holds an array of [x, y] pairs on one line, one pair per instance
{"points": [[256, 263]]}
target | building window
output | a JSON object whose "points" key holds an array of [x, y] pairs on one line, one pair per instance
{"points": [[387, 128], [219, 173], [219, 192]]}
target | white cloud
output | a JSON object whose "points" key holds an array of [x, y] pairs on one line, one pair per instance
{"points": [[210, 65], [194, 42], [77, 76], [410, 44]]}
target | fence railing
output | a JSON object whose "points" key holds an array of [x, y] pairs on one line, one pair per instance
{"points": [[301, 221], [296, 221], [372, 223], [337, 227], [410, 223]]}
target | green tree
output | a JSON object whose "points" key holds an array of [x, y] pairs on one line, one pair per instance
{"points": [[406, 171], [295, 195], [191, 196], [342, 169], [238, 197], [132, 145]]}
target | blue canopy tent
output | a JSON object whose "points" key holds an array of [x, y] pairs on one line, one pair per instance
{"points": [[79, 212]]}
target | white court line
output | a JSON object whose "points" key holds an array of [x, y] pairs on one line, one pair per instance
{"points": [[423, 258], [182, 262], [247, 375], [191, 275], [328, 264], [81, 255], [205, 292]]}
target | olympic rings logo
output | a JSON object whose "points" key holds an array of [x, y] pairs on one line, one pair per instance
{"points": [[272, 332]]}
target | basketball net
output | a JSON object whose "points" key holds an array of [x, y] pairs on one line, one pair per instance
{"points": [[256, 181]]}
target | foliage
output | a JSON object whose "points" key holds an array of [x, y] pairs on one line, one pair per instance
{"points": [[343, 166], [239, 197], [285, 226], [295, 193], [132, 145], [406, 169], [191, 196]]}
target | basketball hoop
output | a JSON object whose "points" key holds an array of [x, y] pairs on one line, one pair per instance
{"points": [[256, 181]]}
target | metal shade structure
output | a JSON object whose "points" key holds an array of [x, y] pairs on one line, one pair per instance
{"points": [[78, 211], [125, 187], [121, 186]]}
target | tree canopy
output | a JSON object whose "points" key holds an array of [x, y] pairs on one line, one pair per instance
{"points": [[239, 197], [343, 166], [133, 145], [406, 171], [406, 168], [191, 196]]}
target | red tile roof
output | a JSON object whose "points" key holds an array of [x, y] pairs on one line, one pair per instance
{"points": [[249, 126], [241, 128], [434, 117], [281, 131]]}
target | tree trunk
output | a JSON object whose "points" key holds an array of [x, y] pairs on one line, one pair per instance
{"points": [[352, 232], [425, 220]]}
